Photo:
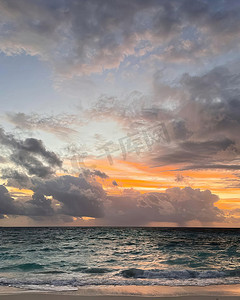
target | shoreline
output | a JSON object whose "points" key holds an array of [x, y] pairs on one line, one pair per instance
{"points": [[66, 297], [213, 292]]}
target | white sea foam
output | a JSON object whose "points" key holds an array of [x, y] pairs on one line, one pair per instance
{"points": [[135, 277], [48, 287]]}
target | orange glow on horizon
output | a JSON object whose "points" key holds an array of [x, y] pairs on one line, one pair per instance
{"points": [[143, 178]]}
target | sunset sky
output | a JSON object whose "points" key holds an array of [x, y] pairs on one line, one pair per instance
{"points": [[119, 112]]}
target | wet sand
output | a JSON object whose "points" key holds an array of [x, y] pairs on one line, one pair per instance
{"points": [[217, 292]]}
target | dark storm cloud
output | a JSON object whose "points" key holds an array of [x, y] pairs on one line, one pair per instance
{"points": [[77, 196], [38, 206], [16, 179], [78, 37], [74, 196], [213, 104], [100, 174], [31, 164], [205, 123], [36, 146], [218, 86], [97, 173], [8, 205], [29, 145], [180, 130], [208, 147], [192, 152], [30, 154], [174, 205]]}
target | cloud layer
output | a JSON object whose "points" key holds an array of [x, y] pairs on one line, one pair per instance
{"points": [[202, 119], [77, 197], [188, 54], [88, 36]]}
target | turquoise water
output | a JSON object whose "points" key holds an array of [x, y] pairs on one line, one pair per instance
{"points": [[66, 258]]}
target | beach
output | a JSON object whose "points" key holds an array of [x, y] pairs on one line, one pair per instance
{"points": [[66, 297], [127, 293]]}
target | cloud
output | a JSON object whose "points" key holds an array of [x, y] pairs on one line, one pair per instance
{"points": [[204, 124], [100, 174], [114, 182], [56, 197], [175, 205], [59, 125], [3, 160], [179, 178], [191, 152], [78, 197], [133, 113], [38, 206], [88, 173], [202, 118], [16, 179], [8, 205], [89, 36], [184, 50], [217, 166], [36, 146], [29, 154]]}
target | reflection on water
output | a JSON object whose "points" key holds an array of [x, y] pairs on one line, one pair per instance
{"points": [[73, 257]]}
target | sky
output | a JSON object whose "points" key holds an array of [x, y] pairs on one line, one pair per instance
{"points": [[120, 113]]}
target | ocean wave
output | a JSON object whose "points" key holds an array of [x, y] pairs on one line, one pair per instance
{"points": [[23, 267], [127, 277], [96, 270], [172, 274], [92, 270], [75, 283]]}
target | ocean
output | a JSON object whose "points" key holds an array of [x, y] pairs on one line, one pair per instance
{"points": [[69, 258]]}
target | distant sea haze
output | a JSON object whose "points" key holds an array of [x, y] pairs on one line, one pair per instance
{"points": [[67, 258]]}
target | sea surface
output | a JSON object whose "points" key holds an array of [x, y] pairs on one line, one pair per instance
{"points": [[69, 258]]}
